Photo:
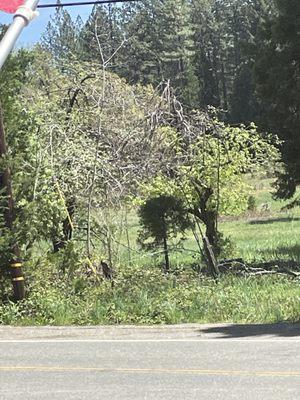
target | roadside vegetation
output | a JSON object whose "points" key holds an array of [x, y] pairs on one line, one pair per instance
{"points": [[61, 293], [149, 172]]}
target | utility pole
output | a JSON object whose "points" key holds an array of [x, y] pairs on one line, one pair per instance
{"points": [[24, 14], [15, 264]]}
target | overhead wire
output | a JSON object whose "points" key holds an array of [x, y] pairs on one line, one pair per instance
{"points": [[83, 3]]}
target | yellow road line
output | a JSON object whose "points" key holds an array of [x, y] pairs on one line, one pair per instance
{"points": [[150, 371]]}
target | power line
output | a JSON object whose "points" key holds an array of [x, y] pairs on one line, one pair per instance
{"points": [[83, 3]]}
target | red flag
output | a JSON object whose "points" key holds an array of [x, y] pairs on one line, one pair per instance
{"points": [[10, 6]]}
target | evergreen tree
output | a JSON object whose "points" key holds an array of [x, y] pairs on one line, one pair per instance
{"points": [[102, 33], [62, 35], [162, 218], [223, 28], [206, 51], [244, 106], [144, 44], [160, 45], [277, 74], [178, 51]]}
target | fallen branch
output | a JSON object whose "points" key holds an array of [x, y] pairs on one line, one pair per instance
{"points": [[239, 267]]}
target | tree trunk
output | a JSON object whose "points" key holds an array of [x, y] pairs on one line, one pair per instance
{"points": [[210, 239], [15, 263], [211, 260], [166, 253], [60, 243], [224, 87], [127, 236], [209, 218]]}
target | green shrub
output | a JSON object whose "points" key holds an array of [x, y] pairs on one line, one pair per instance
{"points": [[251, 204]]}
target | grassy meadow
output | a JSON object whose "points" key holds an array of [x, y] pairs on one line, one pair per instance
{"points": [[62, 294], [269, 233]]}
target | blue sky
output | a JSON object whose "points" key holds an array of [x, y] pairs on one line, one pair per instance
{"points": [[32, 33]]}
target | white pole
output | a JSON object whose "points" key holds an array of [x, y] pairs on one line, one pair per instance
{"points": [[23, 16]]}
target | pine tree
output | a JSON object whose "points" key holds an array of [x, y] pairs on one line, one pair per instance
{"points": [[208, 56], [160, 45], [102, 33], [143, 61], [61, 37], [244, 106], [277, 73], [223, 28], [162, 218], [179, 49]]}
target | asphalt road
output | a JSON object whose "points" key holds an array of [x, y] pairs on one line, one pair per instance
{"points": [[176, 362]]}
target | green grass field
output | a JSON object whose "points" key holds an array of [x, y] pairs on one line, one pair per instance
{"points": [[266, 235], [260, 235]]}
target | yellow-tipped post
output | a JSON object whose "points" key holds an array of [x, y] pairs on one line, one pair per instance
{"points": [[5, 184], [17, 278]]}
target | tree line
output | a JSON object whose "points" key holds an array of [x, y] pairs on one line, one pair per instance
{"points": [[239, 56], [201, 46]]}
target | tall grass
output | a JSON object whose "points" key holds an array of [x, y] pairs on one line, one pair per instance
{"points": [[145, 296]]}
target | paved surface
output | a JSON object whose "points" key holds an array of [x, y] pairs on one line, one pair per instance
{"points": [[168, 362]]}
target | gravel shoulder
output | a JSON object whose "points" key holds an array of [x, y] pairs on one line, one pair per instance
{"points": [[281, 331]]}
